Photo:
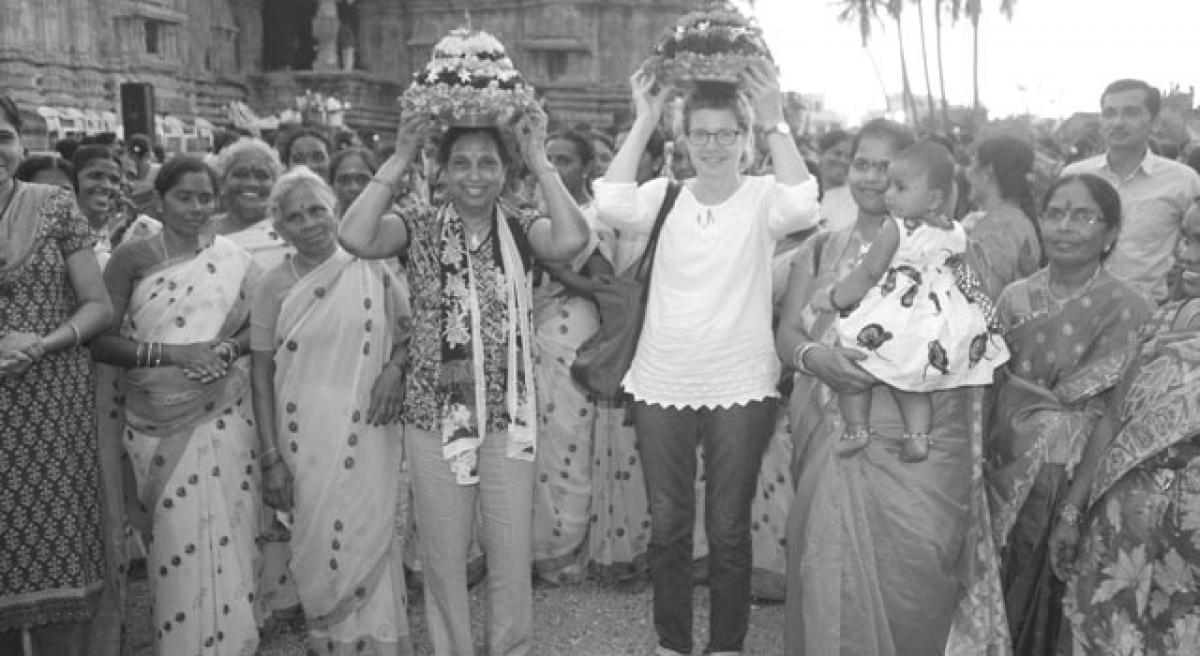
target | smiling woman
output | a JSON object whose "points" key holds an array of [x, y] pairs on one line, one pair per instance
{"points": [[326, 320], [247, 170], [51, 301], [182, 298], [470, 404], [1068, 327], [705, 369]]}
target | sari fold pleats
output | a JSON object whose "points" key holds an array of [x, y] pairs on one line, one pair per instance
{"points": [[192, 447], [1067, 355], [335, 333], [885, 557]]}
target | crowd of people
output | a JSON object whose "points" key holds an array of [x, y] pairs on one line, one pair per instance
{"points": [[929, 409]]}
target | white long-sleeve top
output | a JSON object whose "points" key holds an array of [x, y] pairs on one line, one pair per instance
{"points": [[707, 340]]}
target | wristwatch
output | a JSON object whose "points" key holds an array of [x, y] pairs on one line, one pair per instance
{"points": [[781, 127]]}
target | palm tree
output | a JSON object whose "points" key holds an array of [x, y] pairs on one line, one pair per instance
{"points": [[864, 13], [953, 7], [973, 8], [925, 57], [895, 9]]}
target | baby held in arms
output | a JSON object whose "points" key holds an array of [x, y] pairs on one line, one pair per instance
{"points": [[914, 307]]}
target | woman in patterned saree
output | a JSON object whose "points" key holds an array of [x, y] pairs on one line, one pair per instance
{"points": [[564, 315], [328, 339], [470, 412], [1133, 563], [189, 428], [51, 299], [1067, 327], [879, 551]]}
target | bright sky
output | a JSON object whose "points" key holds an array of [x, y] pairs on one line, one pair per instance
{"points": [[1053, 58]]}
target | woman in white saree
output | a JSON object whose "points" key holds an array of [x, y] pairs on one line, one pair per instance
{"points": [[189, 432], [329, 336]]}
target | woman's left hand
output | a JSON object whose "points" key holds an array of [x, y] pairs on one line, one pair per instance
{"points": [[762, 86], [530, 129], [387, 396], [18, 352]]}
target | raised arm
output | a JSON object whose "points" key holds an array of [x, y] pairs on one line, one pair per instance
{"points": [[566, 233], [762, 86], [795, 205], [649, 98], [368, 230]]}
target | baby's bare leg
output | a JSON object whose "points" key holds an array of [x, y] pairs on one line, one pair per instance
{"points": [[856, 414], [916, 408]]}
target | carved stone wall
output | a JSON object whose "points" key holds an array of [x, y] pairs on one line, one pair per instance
{"points": [[202, 54], [76, 53]]}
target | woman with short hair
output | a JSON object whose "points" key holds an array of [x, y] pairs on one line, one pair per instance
{"points": [[705, 371]]}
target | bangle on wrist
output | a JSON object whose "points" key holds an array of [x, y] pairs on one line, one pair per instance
{"points": [[1070, 514], [798, 356], [77, 336]]}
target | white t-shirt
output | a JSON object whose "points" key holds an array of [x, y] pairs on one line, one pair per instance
{"points": [[707, 340]]}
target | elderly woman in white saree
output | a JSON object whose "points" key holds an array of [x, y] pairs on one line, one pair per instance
{"points": [[190, 433], [329, 335]]}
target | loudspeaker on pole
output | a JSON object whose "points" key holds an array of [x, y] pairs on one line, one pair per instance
{"points": [[137, 109]]}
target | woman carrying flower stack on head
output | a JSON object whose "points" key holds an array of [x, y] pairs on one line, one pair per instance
{"points": [[704, 372], [470, 408]]}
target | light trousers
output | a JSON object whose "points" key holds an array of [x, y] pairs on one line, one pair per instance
{"points": [[446, 513]]}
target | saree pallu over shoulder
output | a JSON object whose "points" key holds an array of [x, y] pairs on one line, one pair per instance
{"points": [[1160, 406], [42, 203], [885, 558], [1066, 356], [336, 330], [201, 299]]}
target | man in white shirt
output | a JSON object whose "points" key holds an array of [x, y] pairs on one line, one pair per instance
{"points": [[1155, 191]]}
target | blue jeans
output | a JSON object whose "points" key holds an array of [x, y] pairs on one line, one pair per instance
{"points": [[733, 440]]}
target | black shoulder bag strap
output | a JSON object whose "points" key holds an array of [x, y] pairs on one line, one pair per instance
{"points": [[647, 262]]}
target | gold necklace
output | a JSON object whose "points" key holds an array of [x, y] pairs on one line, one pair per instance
{"points": [[1075, 292]]}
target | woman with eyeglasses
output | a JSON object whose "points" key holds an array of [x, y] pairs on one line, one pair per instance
{"points": [[1068, 327], [705, 371]]}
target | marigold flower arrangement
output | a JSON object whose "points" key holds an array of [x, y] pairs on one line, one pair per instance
{"points": [[714, 44], [470, 81]]}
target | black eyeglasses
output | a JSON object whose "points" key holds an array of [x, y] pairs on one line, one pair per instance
{"points": [[723, 137]]}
